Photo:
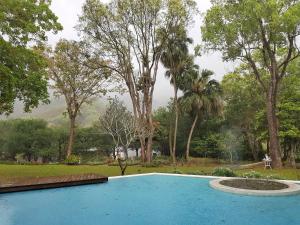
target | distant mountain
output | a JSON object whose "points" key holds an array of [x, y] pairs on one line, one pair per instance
{"points": [[54, 112]]}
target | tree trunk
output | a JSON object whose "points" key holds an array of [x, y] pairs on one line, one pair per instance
{"points": [[187, 153], [71, 136], [114, 153], [253, 144], [170, 140], [125, 149], [273, 126], [59, 151], [176, 123], [151, 128], [149, 149], [142, 149], [137, 153], [291, 157]]}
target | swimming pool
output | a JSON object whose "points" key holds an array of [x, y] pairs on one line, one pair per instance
{"points": [[151, 199]]}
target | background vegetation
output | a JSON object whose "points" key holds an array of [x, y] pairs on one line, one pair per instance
{"points": [[254, 110]]}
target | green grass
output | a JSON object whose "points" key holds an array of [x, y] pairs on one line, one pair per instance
{"points": [[12, 172]]}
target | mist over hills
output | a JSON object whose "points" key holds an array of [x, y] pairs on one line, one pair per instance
{"points": [[53, 113]]}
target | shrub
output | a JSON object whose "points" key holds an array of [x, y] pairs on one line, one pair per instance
{"points": [[177, 171], [197, 172], [72, 160], [128, 162], [272, 177], [20, 158], [252, 174], [223, 172], [151, 164]]}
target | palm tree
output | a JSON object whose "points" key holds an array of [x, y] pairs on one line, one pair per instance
{"points": [[176, 59], [201, 99]]}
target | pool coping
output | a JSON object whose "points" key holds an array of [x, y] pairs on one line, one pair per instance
{"points": [[292, 189], [188, 175]]}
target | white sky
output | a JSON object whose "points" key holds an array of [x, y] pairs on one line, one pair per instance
{"points": [[68, 11]]}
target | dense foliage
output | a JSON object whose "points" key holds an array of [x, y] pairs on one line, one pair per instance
{"points": [[253, 110], [22, 68], [33, 140]]}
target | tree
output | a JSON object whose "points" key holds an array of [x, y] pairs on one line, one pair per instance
{"points": [[289, 111], [31, 138], [131, 34], [23, 68], [243, 100], [92, 144], [61, 140], [119, 123], [175, 57], [163, 115], [77, 77], [262, 34], [209, 146], [201, 99]]}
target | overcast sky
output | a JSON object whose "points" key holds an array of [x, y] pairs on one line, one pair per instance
{"points": [[68, 11]]}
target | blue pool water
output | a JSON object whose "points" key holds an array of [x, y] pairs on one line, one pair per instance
{"points": [[153, 199]]}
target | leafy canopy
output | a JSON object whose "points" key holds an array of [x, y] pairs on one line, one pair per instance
{"points": [[22, 68]]}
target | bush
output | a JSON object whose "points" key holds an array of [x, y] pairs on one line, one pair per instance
{"points": [[176, 171], [272, 177], [151, 164], [223, 172], [252, 174], [128, 162], [72, 160], [197, 172]]}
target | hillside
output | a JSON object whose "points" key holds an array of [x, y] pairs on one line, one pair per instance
{"points": [[54, 112]]}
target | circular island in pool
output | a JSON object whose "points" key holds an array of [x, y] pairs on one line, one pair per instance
{"points": [[260, 187]]}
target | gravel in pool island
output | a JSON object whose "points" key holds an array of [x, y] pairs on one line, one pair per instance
{"points": [[254, 184], [255, 187]]}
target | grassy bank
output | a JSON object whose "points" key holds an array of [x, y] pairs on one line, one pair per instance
{"points": [[12, 172]]}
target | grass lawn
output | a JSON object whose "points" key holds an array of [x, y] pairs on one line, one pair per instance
{"points": [[12, 172]]}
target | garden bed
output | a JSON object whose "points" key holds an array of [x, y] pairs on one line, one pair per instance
{"points": [[254, 184], [257, 187]]}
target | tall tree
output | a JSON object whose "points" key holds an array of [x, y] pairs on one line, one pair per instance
{"points": [[175, 57], [76, 76], [262, 34], [289, 115], [130, 35], [243, 100], [22, 68], [201, 99]]}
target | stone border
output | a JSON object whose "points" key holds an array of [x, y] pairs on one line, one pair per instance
{"points": [[293, 189]]}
